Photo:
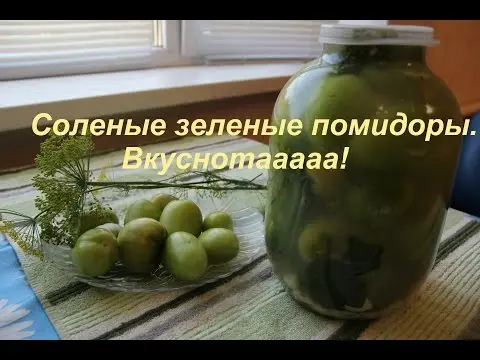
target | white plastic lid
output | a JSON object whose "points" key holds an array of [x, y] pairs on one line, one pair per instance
{"points": [[359, 34]]}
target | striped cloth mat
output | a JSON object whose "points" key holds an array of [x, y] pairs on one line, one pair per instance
{"points": [[250, 304]]}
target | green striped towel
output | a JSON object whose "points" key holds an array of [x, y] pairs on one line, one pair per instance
{"points": [[251, 303]]}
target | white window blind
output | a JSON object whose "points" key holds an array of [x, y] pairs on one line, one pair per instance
{"points": [[32, 48], [252, 39]]}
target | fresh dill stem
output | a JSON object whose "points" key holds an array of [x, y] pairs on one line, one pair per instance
{"points": [[209, 183], [159, 185], [67, 192]]}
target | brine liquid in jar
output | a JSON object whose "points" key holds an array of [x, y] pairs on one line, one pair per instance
{"points": [[355, 242]]}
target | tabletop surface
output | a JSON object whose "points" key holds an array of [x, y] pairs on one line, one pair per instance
{"points": [[38, 301]]}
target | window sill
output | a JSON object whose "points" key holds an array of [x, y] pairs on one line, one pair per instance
{"points": [[101, 95]]}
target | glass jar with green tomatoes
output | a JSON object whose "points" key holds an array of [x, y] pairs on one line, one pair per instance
{"points": [[354, 242]]}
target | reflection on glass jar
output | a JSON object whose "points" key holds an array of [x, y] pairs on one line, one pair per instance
{"points": [[353, 243]]}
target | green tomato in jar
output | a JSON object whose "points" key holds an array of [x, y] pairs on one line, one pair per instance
{"points": [[91, 219], [185, 257], [218, 219], [417, 233], [323, 238], [95, 252], [291, 104], [141, 242], [161, 200], [441, 105], [221, 245], [111, 227], [395, 82], [327, 184], [142, 209], [439, 101], [378, 205], [344, 97], [395, 150], [294, 98], [182, 215]]}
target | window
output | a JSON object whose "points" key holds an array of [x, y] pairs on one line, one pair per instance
{"points": [[41, 48], [251, 39]]}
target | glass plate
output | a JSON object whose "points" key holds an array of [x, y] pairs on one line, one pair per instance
{"points": [[248, 226]]}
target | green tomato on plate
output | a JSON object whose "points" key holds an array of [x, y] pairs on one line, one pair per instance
{"points": [[141, 242], [95, 252], [182, 215], [221, 245], [91, 219], [185, 257], [111, 227], [218, 219], [142, 209], [161, 200]]}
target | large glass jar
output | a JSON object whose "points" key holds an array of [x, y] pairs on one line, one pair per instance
{"points": [[355, 242]]}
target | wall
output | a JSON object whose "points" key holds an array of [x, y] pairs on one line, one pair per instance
{"points": [[457, 59]]}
